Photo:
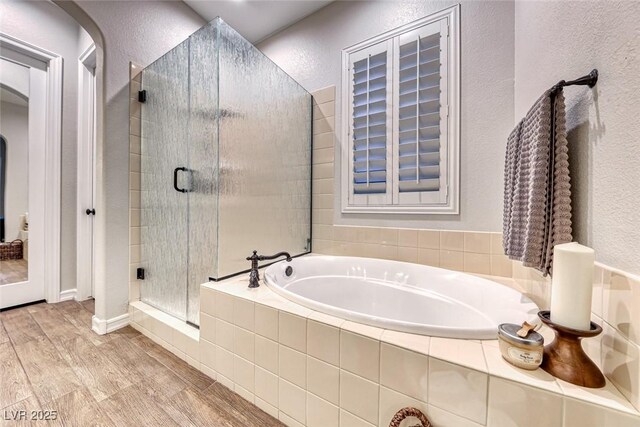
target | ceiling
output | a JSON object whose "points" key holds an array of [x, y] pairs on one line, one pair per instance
{"points": [[257, 19]]}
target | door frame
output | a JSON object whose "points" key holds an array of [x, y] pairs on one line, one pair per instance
{"points": [[53, 156], [85, 238]]}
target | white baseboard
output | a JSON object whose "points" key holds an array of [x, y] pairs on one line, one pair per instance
{"points": [[101, 327], [67, 295]]}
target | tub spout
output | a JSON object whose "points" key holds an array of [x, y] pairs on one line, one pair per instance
{"points": [[254, 275]]}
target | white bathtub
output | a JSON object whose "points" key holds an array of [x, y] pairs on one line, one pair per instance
{"points": [[401, 296]]}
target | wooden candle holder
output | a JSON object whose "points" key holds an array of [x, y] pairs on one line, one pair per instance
{"points": [[564, 358]]}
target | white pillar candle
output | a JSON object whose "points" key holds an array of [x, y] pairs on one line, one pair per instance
{"points": [[571, 285]]}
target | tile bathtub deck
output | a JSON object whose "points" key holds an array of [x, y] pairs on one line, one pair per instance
{"points": [[479, 355], [51, 360]]}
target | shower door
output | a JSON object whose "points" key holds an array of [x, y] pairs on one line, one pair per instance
{"points": [[164, 211], [178, 176]]}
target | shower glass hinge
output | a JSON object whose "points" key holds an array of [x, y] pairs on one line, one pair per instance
{"points": [[142, 96], [140, 273]]}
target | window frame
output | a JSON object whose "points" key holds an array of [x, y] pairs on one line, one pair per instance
{"points": [[448, 198]]}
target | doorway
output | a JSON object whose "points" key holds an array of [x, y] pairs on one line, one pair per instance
{"points": [[53, 33], [26, 80], [86, 173]]}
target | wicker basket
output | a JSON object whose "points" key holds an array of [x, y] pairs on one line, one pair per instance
{"points": [[410, 412], [12, 250]]}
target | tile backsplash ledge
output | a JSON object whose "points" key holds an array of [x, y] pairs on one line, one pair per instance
{"points": [[472, 252]]}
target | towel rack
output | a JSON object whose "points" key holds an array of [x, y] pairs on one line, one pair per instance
{"points": [[590, 80]]}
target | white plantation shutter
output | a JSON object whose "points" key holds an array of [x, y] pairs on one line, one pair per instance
{"points": [[371, 125], [420, 106], [401, 90]]}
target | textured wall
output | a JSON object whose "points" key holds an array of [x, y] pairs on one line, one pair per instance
{"points": [[140, 32], [310, 51], [45, 25], [565, 40]]}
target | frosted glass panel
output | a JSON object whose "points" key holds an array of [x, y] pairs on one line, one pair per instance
{"points": [[164, 210], [265, 156], [203, 156], [240, 130]]}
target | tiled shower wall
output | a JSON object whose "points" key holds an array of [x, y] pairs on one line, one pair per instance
{"points": [[616, 294]]}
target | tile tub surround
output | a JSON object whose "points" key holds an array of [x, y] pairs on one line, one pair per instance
{"points": [[308, 368]]}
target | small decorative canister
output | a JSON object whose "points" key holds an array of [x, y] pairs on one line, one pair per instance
{"points": [[523, 352]]}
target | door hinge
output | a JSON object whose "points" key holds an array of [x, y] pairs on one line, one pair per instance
{"points": [[140, 273], [142, 96]]}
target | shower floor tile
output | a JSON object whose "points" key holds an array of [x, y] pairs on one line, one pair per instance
{"points": [[54, 362]]}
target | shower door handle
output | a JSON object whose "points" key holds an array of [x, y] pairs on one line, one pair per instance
{"points": [[175, 179]]}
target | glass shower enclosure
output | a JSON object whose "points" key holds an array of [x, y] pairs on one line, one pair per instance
{"points": [[226, 166]]}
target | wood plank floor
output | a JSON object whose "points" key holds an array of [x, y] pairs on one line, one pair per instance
{"points": [[13, 271], [50, 360]]}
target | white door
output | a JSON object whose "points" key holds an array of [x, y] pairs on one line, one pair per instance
{"points": [[86, 173], [32, 287]]}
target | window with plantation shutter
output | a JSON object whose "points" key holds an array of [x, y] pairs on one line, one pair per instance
{"points": [[401, 90], [421, 105], [371, 125]]}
